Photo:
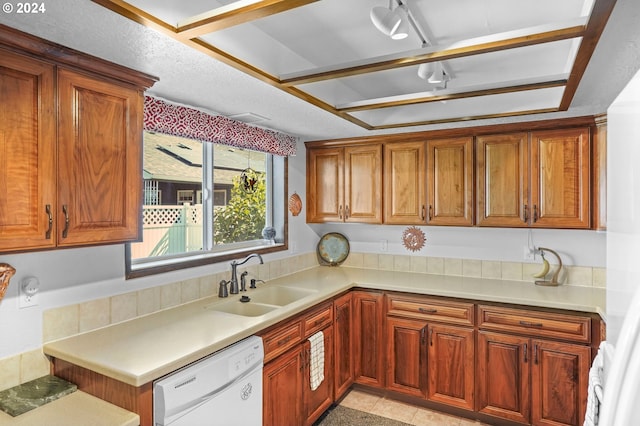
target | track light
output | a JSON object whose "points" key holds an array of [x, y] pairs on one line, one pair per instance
{"points": [[425, 70], [389, 22], [438, 75]]}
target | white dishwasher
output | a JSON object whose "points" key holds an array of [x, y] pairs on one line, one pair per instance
{"points": [[223, 389]]}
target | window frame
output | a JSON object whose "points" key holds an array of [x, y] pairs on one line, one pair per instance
{"points": [[200, 258]]}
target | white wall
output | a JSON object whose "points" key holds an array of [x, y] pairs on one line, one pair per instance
{"points": [[623, 204], [76, 275]]}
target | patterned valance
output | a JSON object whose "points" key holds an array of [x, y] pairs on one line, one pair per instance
{"points": [[178, 120]]}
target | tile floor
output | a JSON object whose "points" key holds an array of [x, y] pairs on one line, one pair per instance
{"points": [[401, 411]]}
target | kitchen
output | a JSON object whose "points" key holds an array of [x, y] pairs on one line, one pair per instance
{"points": [[100, 274]]}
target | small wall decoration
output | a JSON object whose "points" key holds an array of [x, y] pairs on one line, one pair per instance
{"points": [[249, 178], [413, 238], [6, 272], [295, 204]]}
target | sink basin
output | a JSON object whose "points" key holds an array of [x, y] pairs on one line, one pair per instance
{"points": [[249, 309], [279, 295]]}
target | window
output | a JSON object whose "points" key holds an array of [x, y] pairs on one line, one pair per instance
{"points": [[186, 228]]}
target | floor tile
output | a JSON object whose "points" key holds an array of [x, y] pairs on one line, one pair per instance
{"points": [[360, 400], [394, 410], [424, 417]]}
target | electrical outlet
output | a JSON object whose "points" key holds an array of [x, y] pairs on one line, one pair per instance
{"points": [[383, 245], [29, 288], [528, 253]]}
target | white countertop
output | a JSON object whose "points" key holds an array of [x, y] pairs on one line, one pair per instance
{"points": [[76, 409], [143, 349]]}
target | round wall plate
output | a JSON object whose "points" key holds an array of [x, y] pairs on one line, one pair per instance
{"points": [[333, 248]]}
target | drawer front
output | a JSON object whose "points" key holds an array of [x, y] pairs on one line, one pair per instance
{"points": [[318, 319], [281, 339], [430, 309], [532, 323]]}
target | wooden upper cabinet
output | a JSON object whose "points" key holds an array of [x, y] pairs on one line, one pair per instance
{"points": [[27, 149], [450, 182], [404, 183], [560, 173], [344, 184], [71, 141], [99, 154], [502, 176]]}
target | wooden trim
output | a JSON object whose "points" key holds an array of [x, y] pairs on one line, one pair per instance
{"points": [[599, 16], [136, 399], [458, 132]]}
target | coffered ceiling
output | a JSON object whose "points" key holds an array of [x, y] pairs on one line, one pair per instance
{"points": [[501, 58]]}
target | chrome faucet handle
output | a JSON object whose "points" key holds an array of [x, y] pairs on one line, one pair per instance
{"points": [[222, 291], [243, 281]]}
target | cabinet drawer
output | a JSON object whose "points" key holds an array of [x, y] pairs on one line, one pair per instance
{"points": [[532, 323], [318, 319], [281, 339], [430, 309]]}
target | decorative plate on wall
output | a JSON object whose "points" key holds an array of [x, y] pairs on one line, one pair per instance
{"points": [[333, 248], [413, 238], [295, 204]]}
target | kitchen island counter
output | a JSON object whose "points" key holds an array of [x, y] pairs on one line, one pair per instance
{"points": [[143, 349]]}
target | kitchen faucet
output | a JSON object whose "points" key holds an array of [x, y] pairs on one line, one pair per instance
{"points": [[234, 274]]}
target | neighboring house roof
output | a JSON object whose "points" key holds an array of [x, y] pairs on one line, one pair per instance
{"points": [[175, 159]]}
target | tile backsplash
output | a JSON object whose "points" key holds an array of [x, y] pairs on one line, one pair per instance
{"points": [[69, 320]]}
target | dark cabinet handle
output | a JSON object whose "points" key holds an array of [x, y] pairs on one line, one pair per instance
{"points": [[423, 209], [531, 324], [66, 221], [47, 209], [431, 337], [284, 341], [340, 211], [535, 213], [346, 212], [535, 354], [526, 352], [428, 310], [525, 213], [430, 212], [422, 334]]}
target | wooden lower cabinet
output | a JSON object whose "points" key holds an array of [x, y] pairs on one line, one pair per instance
{"points": [[433, 361], [282, 389], [317, 401], [451, 365], [343, 345], [532, 381], [368, 317]]}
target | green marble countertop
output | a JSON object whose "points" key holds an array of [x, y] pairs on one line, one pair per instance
{"points": [[28, 396]]}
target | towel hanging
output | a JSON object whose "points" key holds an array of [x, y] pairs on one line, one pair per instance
{"points": [[595, 390], [316, 370]]}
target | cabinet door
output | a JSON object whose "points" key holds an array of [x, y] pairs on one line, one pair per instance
{"points": [[343, 345], [363, 184], [282, 385], [99, 159], [368, 338], [319, 400], [560, 186], [404, 183], [502, 176], [406, 356], [503, 385], [559, 381], [325, 184], [451, 366], [27, 149], [450, 182]]}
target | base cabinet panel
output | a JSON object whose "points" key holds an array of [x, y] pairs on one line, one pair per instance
{"points": [[451, 365], [406, 356], [343, 345], [368, 336], [282, 384], [560, 374], [318, 400], [503, 376]]}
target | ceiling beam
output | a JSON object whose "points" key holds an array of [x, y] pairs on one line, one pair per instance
{"points": [[456, 119], [236, 13], [447, 94], [459, 49], [599, 16]]}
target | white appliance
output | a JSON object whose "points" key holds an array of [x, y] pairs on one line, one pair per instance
{"points": [[621, 381], [223, 389]]}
